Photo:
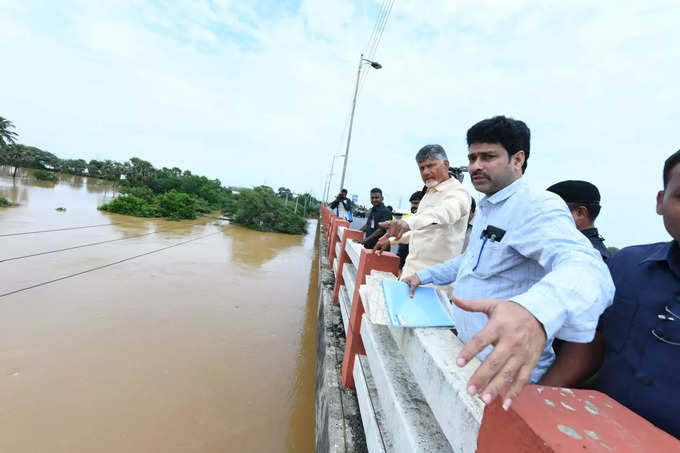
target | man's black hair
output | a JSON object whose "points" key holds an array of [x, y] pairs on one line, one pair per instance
{"points": [[668, 167], [513, 135], [343, 190], [416, 196], [376, 190]]}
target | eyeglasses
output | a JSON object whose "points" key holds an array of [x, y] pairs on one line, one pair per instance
{"points": [[658, 334]]}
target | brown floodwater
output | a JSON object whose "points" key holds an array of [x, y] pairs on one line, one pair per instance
{"points": [[200, 338]]}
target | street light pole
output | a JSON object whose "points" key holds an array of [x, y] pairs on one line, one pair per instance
{"points": [[374, 65], [330, 177]]}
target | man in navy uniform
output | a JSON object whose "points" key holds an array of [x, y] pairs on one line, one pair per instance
{"points": [[638, 339], [583, 200]]}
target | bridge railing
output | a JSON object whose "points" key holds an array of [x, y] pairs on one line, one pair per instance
{"points": [[412, 395]]}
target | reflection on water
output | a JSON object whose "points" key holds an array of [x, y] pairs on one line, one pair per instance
{"points": [[203, 347], [255, 248]]}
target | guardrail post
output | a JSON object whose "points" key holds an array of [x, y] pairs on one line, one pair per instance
{"points": [[329, 231], [388, 262], [334, 239], [344, 257], [326, 217], [551, 420]]}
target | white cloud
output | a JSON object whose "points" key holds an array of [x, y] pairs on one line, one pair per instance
{"points": [[255, 93]]}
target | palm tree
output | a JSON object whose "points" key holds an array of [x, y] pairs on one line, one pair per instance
{"points": [[17, 156], [7, 137]]}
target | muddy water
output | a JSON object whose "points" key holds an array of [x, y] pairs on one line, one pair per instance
{"points": [[206, 346]]}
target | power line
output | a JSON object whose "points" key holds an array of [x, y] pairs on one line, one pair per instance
{"points": [[105, 265], [82, 246], [59, 229], [381, 12], [373, 47]]}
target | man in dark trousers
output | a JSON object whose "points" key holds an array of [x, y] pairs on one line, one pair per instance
{"points": [[583, 200], [378, 213]]}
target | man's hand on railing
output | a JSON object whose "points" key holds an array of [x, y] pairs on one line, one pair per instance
{"points": [[382, 244], [413, 281], [395, 228], [518, 339]]}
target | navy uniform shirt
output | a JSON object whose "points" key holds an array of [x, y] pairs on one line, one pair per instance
{"points": [[377, 214], [641, 330], [597, 241]]}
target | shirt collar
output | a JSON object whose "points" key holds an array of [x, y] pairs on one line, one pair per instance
{"points": [[668, 252], [591, 232], [505, 193], [660, 253], [444, 184]]}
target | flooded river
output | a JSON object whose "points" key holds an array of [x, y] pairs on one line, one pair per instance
{"points": [[192, 336]]}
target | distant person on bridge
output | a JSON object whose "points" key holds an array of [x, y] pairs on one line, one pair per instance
{"points": [[583, 200], [527, 276], [402, 252], [342, 206], [437, 231], [638, 338], [378, 213]]}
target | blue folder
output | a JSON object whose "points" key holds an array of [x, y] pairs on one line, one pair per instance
{"points": [[425, 309]]}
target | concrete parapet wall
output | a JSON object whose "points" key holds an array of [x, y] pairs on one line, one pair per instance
{"points": [[430, 355], [408, 417]]}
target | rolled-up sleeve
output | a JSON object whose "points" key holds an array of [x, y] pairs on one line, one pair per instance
{"points": [[454, 205], [577, 287]]}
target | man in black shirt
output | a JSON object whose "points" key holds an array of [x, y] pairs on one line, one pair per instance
{"points": [[583, 200], [378, 213]]}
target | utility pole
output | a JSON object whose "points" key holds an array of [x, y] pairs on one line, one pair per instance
{"points": [[374, 65]]}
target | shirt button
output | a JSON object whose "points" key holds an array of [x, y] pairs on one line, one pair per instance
{"points": [[646, 380]]}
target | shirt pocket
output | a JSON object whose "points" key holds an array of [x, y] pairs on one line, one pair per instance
{"points": [[492, 259]]}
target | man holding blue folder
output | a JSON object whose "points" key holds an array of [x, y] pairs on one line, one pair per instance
{"points": [[527, 276]]}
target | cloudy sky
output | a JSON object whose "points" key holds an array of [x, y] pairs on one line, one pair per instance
{"points": [[259, 92]]}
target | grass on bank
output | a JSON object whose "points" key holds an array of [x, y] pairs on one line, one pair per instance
{"points": [[5, 203]]}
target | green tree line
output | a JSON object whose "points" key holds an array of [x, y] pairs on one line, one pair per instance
{"points": [[146, 191]]}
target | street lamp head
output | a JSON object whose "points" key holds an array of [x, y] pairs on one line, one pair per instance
{"points": [[374, 64]]}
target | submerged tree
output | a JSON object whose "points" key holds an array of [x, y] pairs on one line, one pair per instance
{"points": [[17, 156]]}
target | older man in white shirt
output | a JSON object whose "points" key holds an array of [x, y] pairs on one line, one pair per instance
{"points": [[527, 276], [436, 232]]}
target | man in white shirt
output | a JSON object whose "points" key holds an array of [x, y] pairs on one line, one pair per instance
{"points": [[436, 232], [527, 276]]}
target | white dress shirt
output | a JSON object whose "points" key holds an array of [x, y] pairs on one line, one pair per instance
{"points": [[438, 226], [542, 263]]}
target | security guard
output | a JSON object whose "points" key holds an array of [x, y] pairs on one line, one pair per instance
{"points": [[637, 344], [641, 330], [583, 200]]}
